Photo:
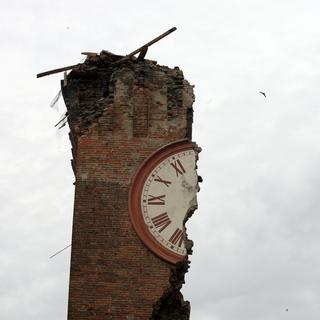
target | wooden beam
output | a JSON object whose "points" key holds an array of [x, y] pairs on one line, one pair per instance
{"points": [[142, 48], [142, 54], [152, 41], [47, 73], [89, 54]]}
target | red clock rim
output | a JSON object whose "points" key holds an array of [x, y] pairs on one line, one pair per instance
{"points": [[134, 199]]}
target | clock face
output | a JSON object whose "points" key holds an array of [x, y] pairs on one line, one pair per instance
{"points": [[163, 192]]}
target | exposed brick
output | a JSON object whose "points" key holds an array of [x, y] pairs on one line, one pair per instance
{"points": [[118, 115]]}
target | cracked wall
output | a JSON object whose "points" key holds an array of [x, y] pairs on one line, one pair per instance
{"points": [[118, 115]]}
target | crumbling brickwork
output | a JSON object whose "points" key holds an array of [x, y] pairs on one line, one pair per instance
{"points": [[118, 115]]}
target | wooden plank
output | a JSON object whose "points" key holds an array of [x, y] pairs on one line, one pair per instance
{"points": [[152, 41], [89, 54], [47, 73], [142, 48]]}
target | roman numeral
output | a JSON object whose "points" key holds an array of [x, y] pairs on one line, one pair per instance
{"points": [[177, 237], [166, 182], [177, 165], [156, 199], [161, 221]]}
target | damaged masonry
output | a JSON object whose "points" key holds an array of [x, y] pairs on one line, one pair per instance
{"points": [[135, 169]]}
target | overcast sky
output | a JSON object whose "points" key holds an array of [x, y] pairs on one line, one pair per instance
{"points": [[256, 232]]}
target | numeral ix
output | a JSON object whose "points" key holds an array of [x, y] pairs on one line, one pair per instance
{"points": [[156, 200]]}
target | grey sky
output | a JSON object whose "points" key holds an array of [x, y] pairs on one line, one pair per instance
{"points": [[256, 231]]}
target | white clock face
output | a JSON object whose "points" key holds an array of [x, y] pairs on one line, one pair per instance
{"points": [[168, 193]]}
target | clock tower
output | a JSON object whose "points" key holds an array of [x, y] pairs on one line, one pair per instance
{"points": [[135, 187]]}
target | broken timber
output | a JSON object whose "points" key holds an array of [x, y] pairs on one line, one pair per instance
{"points": [[47, 73], [143, 50]]}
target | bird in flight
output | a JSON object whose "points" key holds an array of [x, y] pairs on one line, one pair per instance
{"points": [[263, 93]]}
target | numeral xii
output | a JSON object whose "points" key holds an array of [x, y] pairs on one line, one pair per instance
{"points": [[178, 167]]}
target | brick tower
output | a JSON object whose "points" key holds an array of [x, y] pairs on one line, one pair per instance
{"points": [[130, 130]]}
